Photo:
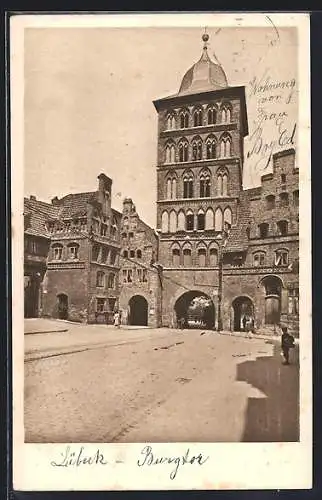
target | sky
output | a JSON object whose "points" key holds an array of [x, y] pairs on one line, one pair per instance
{"points": [[88, 102]]}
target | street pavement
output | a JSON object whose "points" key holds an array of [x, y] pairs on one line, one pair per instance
{"points": [[98, 384]]}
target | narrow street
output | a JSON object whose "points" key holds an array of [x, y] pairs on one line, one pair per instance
{"points": [[92, 384]]}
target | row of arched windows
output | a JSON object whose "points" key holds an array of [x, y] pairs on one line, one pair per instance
{"points": [[280, 258], [132, 254], [264, 229], [199, 117], [188, 221], [203, 257], [72, 251], [199, 188], [283, 200], [105, 281], [195, 151]]}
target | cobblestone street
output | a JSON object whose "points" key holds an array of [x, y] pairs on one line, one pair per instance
{"points": [[92, 384]]}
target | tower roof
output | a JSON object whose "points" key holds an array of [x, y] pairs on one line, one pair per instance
{"points": [[205, 75]]}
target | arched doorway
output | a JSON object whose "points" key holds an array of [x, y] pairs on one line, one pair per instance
{"points": [[273, 287], [243, 314], [138, 314], [196, 310], [62, 306]]}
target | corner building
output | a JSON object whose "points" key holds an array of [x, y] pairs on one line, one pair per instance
{"points": [[212, 233]]}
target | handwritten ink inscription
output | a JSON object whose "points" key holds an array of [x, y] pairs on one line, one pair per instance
{"points": [[149, 458], [77, 458], [274, 127]]}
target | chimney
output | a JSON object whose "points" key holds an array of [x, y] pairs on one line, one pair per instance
{"points": [[105, 192], [55, 201], [33, 197]]}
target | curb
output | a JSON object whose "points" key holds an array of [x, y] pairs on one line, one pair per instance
{"points": [[46, 331]]}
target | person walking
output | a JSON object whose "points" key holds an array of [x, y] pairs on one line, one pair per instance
{"points": [[244, 321], [287, 343], [117, 319]]}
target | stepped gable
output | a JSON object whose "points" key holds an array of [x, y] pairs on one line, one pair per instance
{"points": [[36, 213], [238, 238]]}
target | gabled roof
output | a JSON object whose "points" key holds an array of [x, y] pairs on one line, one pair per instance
{"points": [[75, 204], [36, 214]]}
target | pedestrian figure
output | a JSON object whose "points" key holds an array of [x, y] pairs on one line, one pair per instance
{"points": [[287, 342], [117, 319], [181, 323], [244, 321]]}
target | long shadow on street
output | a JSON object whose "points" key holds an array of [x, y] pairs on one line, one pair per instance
{"points": [[275, 416]]}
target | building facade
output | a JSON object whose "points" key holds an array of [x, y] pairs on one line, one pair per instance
{"points": [[140, 277], [222, 257], [217, 240]]}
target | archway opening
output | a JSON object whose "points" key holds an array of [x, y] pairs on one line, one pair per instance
{"points": [[62, 306], [195, 309], [138, 314], [273, 287], [244, 319]]}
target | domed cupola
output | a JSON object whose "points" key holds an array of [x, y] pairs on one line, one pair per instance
{"points": [[205, 75]]}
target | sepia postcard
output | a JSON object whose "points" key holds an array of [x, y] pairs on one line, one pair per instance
{"points": [[161, 255]]}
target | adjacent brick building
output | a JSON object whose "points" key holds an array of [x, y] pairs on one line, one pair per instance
{"points": [[140, 276]]}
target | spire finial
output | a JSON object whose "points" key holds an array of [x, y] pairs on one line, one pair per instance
{"points": [[205, 38]]}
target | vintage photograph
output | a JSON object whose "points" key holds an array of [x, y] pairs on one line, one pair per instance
{"points": [[161, 235]]}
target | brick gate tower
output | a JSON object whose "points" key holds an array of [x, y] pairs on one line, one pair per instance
{"points": [[201, 132]]}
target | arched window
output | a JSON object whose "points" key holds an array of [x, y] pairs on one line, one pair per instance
{"points": [[197, 118], [187, 260], [95, 252], [183, 150], [211, 145], [139, 254], [202, 252], [225, 185], [282, 227], [281, 257], [132, 254], [125, 254], [227, 216], [181, 221], [73, 249], [165, 222], [284, 200], [213, 256], [57, 251], [169, 188], [204, 184], [201, 220], [259, 259], [184, 119], [212, 115], [188, 185], [170, 153], [189, 221], [209, 218], [100, 277], [171, 121], [218, 220], [111, 280], [173, 222], [263, 230], [226, 114], [174, 189], [197, 149], [225, 146], [219, 185], [176, 256], [270, 202]]}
